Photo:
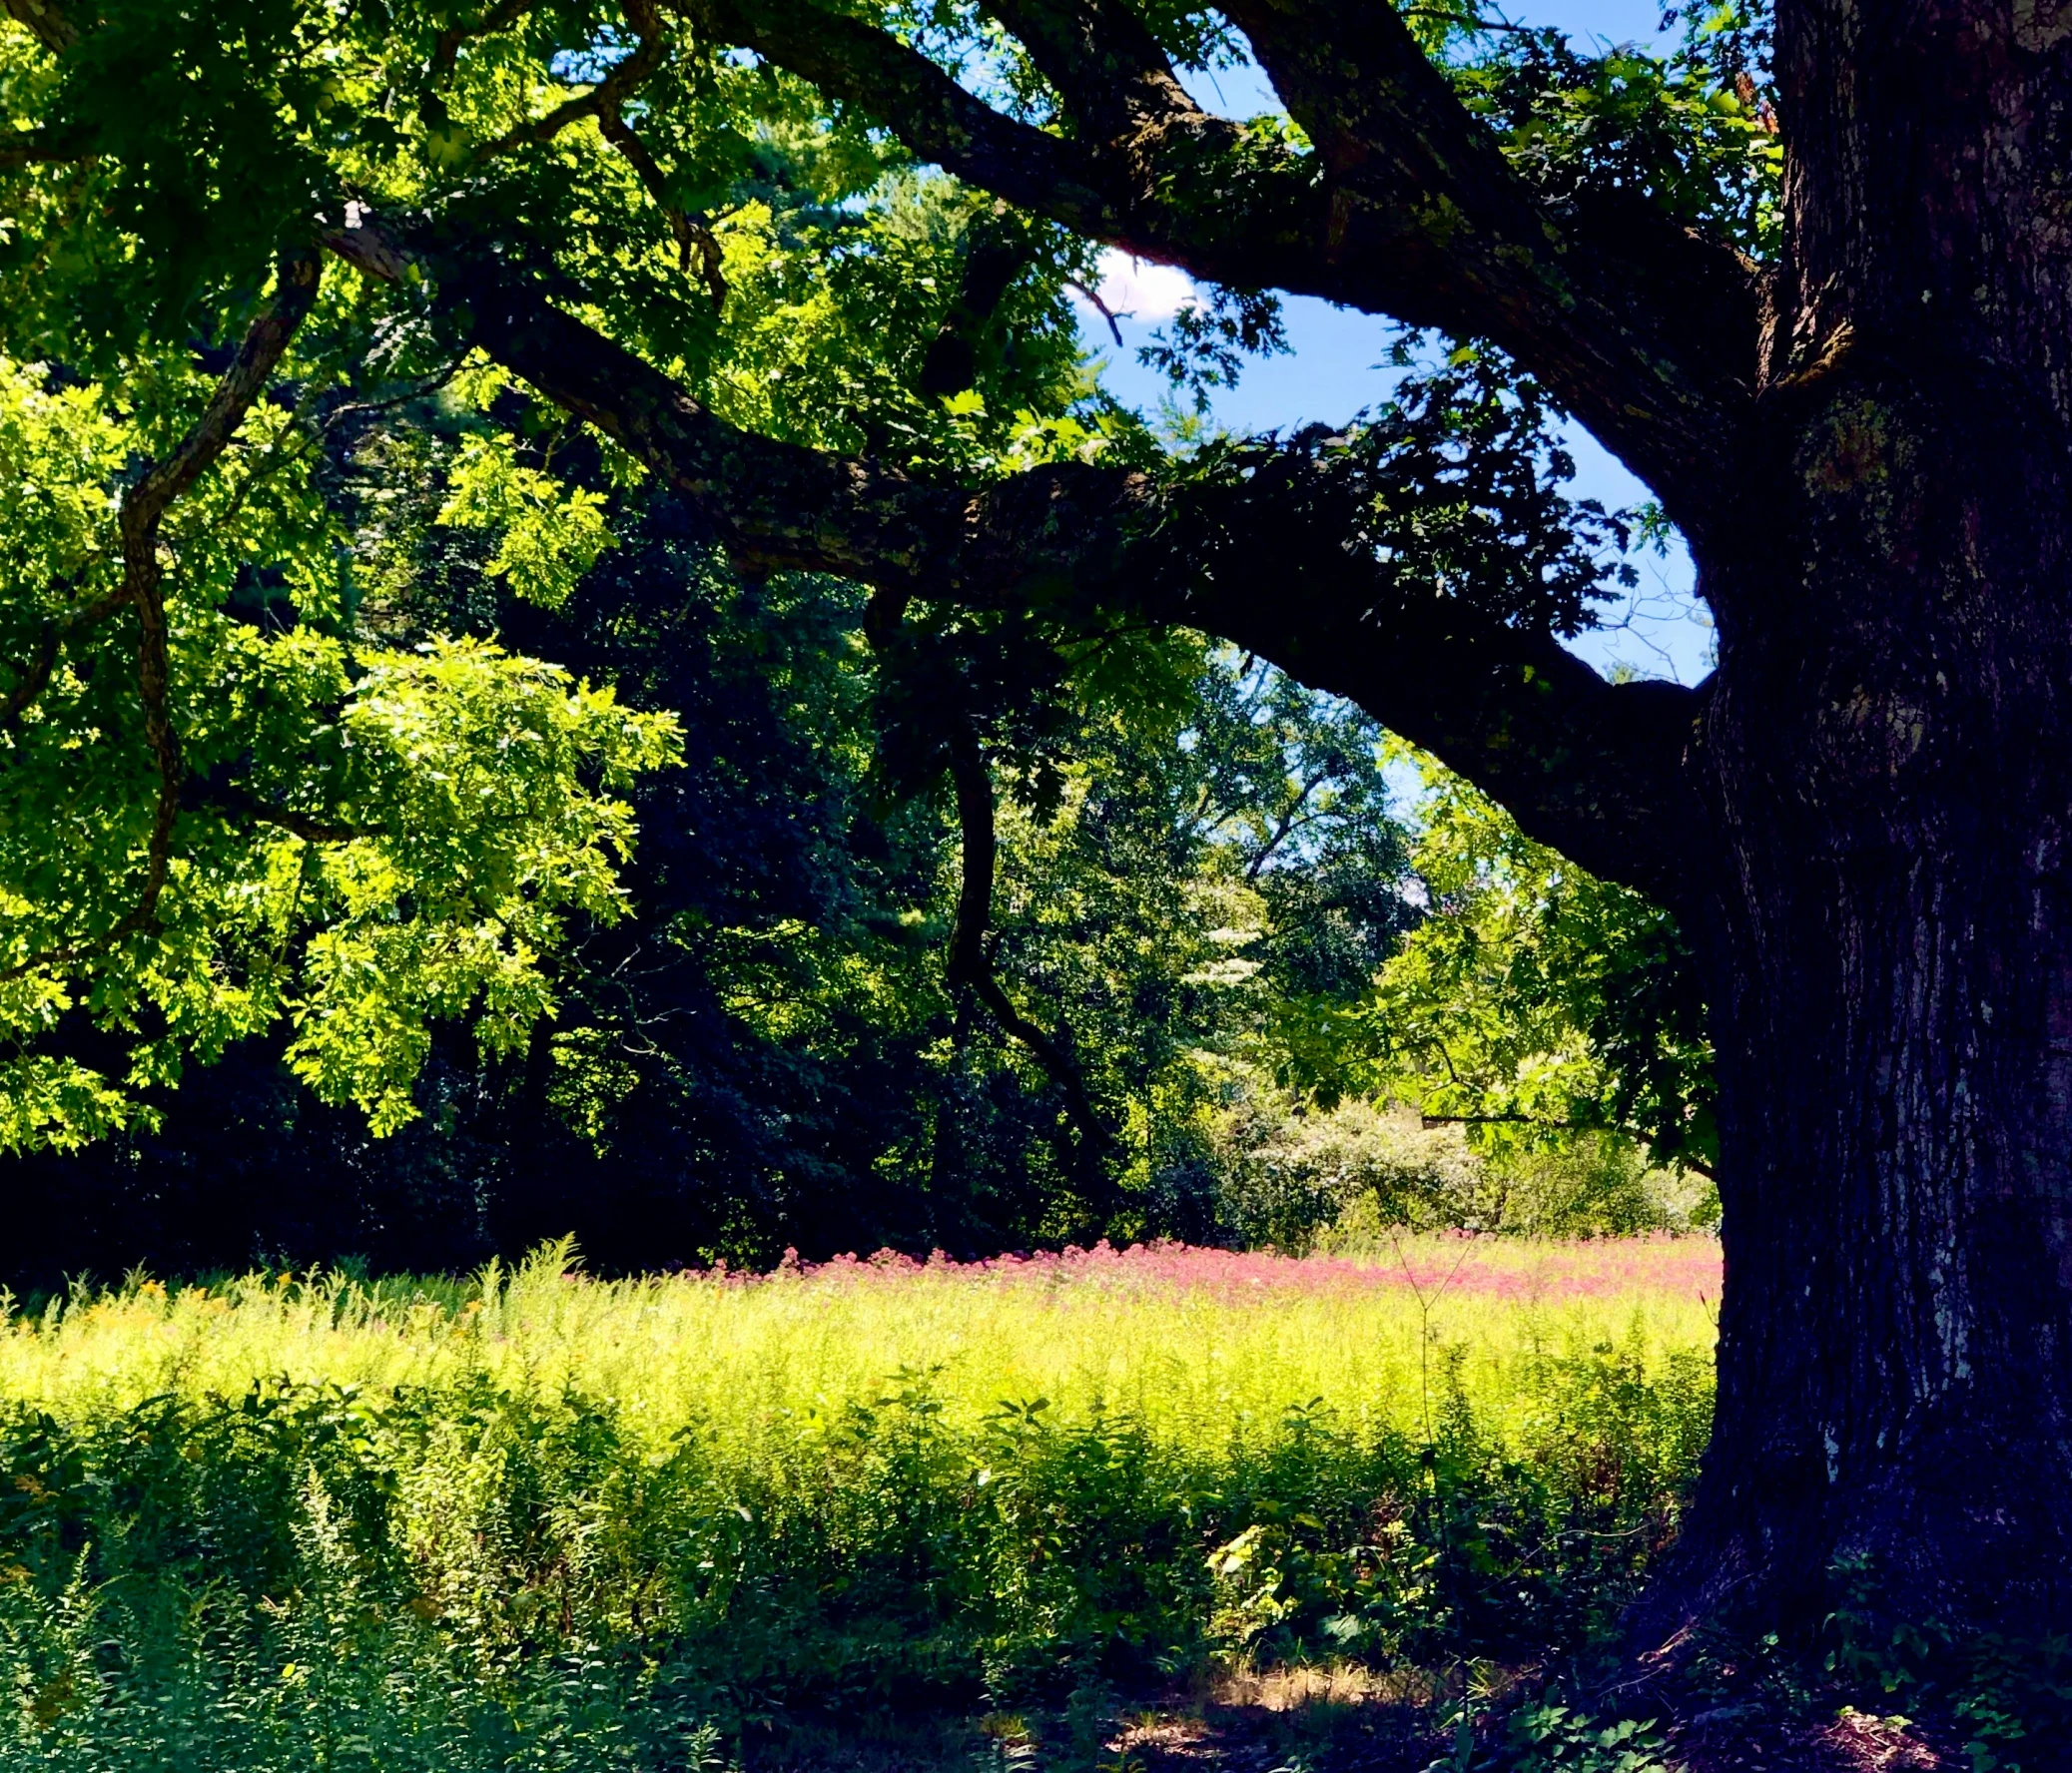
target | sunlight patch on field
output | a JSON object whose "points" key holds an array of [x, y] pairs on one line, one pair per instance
{"points": [[1199, 1346]]}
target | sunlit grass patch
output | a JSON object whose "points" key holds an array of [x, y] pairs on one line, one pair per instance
{"points": [[483, 1517], [1189, 1339]]}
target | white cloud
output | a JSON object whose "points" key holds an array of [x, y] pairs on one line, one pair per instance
{"points": [[1136, 288]]}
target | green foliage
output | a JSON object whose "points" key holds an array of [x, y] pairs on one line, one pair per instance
{"points": [[1554, 1738], [549, 536], [1691, 135], [470, 1573], [1453, 487], [366, 840], [2010, 1701], [375, 842], [1533, 1003], [364, 845]]}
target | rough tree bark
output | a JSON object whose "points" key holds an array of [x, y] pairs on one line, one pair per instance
{"points": [[1885, 750], [1863, 816]]}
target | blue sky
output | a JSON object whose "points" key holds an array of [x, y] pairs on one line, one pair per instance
{"points": [[1334, 369]]}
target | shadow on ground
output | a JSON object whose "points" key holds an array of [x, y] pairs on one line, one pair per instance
{"points": [[1348, 1720]]}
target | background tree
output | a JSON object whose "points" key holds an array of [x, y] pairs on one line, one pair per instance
{"points": [[1811, 295], [1530, 1003]]}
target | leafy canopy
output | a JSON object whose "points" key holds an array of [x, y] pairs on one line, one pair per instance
{"points": [[289, 799]]}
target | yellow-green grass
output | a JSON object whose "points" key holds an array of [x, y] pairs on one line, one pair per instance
{"points": [[1193, 1344], [545, 1521]]}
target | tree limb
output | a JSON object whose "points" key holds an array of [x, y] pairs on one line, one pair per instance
{"points": [[1407, 208], [971, 965], [447, 51], [1430, 1121], [41, 147], [33, 677], [1591, 769], [231, 800], [1581, 298], [619, 84], [994, 257], [143, 508], [696, 247], [1117, 83]]}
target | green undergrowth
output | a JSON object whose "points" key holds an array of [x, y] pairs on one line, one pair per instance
{"points": [[482, 1573]]}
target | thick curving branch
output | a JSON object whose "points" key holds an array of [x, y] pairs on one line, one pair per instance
{"points": [[855, 64], [1611, 303], [1115, 81], [1406, 209], [1271, 557]]}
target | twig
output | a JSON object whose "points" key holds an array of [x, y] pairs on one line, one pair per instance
{"points": [[447, 50], [1424, 1318], [695, 239], [1456, 17], [40, 148], [1093, 300], [229, 800], [697, 247], [619, 84]]}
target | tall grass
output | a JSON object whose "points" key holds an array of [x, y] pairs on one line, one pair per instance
{"points": [[537, 1520]]}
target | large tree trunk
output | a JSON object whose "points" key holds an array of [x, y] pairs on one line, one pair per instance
{"points": [[1889, 751]]}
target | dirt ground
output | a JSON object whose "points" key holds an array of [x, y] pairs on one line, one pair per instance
{"points": [[1310, 1720]]}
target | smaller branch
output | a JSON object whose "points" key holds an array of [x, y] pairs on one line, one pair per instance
{"points": [[143, 507], [1093, 300], [228, 800], [146, 504], [1429, 1121], [1475, 21], [41, 147], [57, 632], [356, 408], [608, 94], [969, 962], [35, 677], [447, 49], [697, 247], [1290, 822]]}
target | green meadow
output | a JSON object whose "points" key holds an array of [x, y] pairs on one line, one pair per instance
{"points": [[997, 1509]]}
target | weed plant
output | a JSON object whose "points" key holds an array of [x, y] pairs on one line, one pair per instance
{"points": [[536, 1520]]}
